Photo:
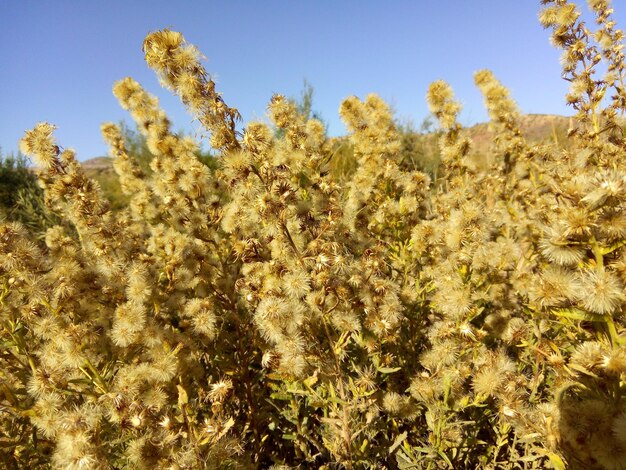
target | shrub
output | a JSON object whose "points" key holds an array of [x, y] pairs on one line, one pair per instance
{"points": [[15, 174], [21, 198], [272, 314]]}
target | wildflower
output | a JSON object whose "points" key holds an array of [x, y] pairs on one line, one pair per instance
{"points": [[466, 330], [129, 320], [589, 355], [165, 422], [296, 283], [443, 353], [499, 104], [612, 223], [489, 379], [397, 405], [615, 361], [39, 142], [567, 14], [220, 390], [608, 190], [601, 291], [559, 250], [257, 137], [453, 299], [138, 288], [269, 360], [556, 287], [441, 104]]}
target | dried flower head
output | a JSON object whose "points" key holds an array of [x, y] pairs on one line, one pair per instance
{"points": [[601, 291]]}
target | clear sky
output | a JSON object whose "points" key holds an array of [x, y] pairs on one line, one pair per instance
{"points": [[60, 58]]}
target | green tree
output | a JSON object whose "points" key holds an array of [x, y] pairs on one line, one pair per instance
{"points": [[14, 174], [305, 104], [304, 107]]}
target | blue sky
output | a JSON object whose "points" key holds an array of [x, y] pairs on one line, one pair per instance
{"points": [[60, 58]]}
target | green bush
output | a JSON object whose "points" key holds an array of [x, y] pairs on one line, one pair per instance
{"points": [[275, 313], [14, 174], [21, 198]]}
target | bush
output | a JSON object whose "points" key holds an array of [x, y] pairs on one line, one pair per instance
{"points": [[21, 198], [270, 314], [14, 174]]}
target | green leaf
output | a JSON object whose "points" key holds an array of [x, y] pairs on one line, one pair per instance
{"points": [[445, 458], [556, 461], [364, 445], [310, 381], [404, 461], [576, 314], [583, 370], [281, 396], [399, 440], [388, 370], [337, 400], [605, 250]]}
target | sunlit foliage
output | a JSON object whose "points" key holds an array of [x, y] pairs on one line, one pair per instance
{"points": [[288, 310]]}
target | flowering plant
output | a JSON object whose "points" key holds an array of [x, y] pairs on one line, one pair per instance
{"points": [[275, 313]]}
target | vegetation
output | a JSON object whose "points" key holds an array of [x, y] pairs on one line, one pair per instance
{"points": [[21, 198], [289, 310]]}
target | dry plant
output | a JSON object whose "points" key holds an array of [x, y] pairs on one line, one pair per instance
{"points": [[277, 313]]}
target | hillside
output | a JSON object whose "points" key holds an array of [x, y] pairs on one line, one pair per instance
{"points": [[97, 163], [535, 128]]}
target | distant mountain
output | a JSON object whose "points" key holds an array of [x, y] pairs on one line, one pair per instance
{"points": [[97, 163], [534, 127]]}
